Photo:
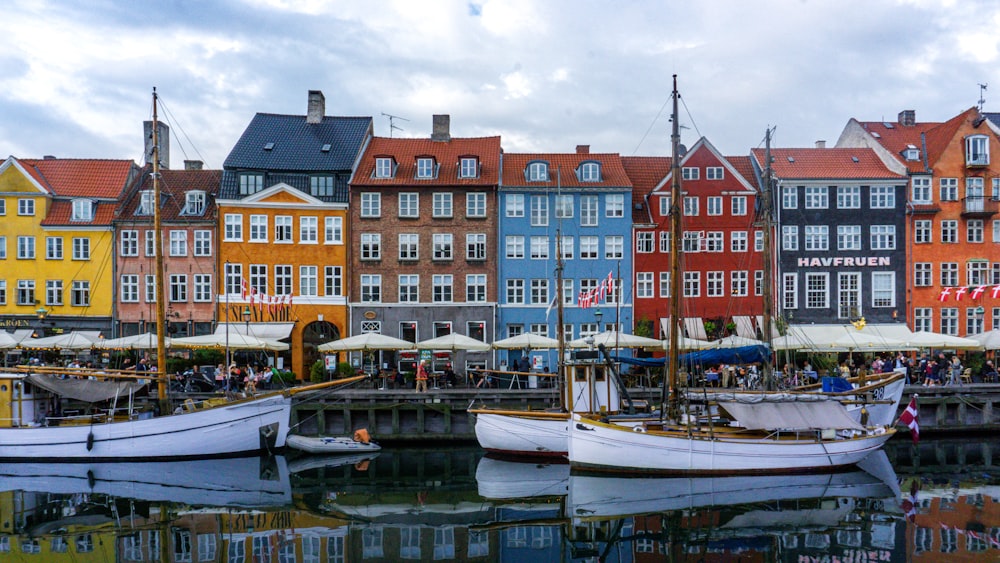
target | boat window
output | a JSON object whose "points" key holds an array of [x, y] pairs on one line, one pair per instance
{"points": [[579, 374], [599, 374]]}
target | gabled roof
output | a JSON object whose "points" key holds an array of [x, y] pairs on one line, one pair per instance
{"points": [[174, 185], [71, 177], [446, 154], [645, 172], [61, 212], [930, 138], [819, 164], [612, 172], [287, 143]]}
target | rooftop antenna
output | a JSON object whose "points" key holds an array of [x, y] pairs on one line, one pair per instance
{"points": [[982, 99], [392, 124]]}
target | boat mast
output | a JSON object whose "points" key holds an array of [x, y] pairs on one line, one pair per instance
{"points": [[560, 335], [764, 220], [161, 352], [673, 351]]}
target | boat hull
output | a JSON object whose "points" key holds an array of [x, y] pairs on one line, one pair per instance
{"points": [[523, 434], [599, 446], [329, 444], [240, 427]]}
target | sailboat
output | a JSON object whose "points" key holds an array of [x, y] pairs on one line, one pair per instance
{"points": [[31, 430], [723, 437]]}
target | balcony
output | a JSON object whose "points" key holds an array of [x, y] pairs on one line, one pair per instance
{"points": [[979, 206]]}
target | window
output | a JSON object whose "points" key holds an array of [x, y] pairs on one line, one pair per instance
{"points": [[409, 288], [475, 246], [690, 206], [692, 284], [714, 283], [789, 237], [738, 205], [53, 292], [321, 186], [442, 288], [589, 172], [251, 183], [539, 248], [333, 281], [714, 205], [739, 283], [977, 150], [883, 197], [150, 285], [644, 285], [371, 246], [849, 298], [714, 241], [145, 206], [949, 231], [588, 247], [371, 288], [817, 197], [258, 277], [692, 241], [81, 248], [233, 227], [258, 228], [53, 248], [129, 243], [949, 189], [442, 246], [25, 292], [282, 279], [883, 237], [475, 204], [883, 289], [664, 242], [202, 243], [383, 167], [664, 205], [334, 230], [974, 230], [538, 172], [564, 206], [949, 274], [714, 173], [848, 197], [690, 173], [976, 272], [26, 248], [614, 247], [614, 205], [514, 245], [468, 167], [178, 243], [514, 205], [283, 228], [409, 246], [923, 319], [817, 291], [789, 197], [83, 210], [922, 231], [80, 294], [308, 230], [130, 288], [371, 204], [308, 281], [539, 292], [644, 242], [923, 274], [664, 284], [441, 205], [25, 207], [817, 237], [758, 282], [515, 292], [203, 288], [949, 321], [920, 188], [737, 241], [790, 291], [475, 288], [409, 205], [3, 206], [848, 237], [194, 203], [588, 210]]}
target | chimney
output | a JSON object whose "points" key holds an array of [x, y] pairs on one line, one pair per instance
{"points": [[164, 140], [48, 157], [317, 107], [583, 149], [442, 128], [908, 117], [193, 165], [820, 144]]}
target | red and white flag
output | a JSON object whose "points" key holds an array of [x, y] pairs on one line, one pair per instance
{"points": [[910, 418], [945, 292]]}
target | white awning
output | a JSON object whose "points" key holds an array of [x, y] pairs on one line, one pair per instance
{"points": [[695, 328], [744, 326], [791, 416], [267, 331]]}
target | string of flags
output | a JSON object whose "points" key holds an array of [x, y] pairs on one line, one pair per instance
{"points": [[973, 292], [272, 303], [595, 295]]}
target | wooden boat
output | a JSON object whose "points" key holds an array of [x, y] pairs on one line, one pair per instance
{"points": [[358, 443], [518, 479]]}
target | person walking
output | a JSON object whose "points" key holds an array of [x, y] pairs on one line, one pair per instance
{"points": [[955, 371], [421, 377]]}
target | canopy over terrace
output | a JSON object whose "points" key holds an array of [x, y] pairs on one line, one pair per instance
{"points": [[526, 340], [79, 340], [366, 342], [145, 341], [990, 339], [233, 341], [615, 339], [846, 337]]}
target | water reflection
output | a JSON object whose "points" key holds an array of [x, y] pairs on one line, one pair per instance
{"points": [[934, 502]]}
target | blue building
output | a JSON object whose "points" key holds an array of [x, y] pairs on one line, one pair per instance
{"points": [[583, 200]]}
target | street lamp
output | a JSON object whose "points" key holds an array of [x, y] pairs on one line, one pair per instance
{"points": [[42, 312], [598, 314], [246, 319]]}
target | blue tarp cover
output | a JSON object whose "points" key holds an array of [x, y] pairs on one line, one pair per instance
{"points": [[835, 385], [741, 355]]}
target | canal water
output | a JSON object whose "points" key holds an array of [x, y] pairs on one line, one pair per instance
{"points": [[936, 501]]}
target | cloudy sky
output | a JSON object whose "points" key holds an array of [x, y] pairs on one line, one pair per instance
{"points": [[545, 75]]}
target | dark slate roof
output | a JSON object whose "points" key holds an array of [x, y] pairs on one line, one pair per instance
{"points": [[173, 193]]}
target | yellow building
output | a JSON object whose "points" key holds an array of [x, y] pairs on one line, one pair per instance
{"points": [[56, 267]]}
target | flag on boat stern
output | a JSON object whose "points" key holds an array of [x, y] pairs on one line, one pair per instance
{"points": [[910, 418]]}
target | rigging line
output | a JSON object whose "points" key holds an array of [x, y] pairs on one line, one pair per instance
{"points": [[173, 121], [691, 117], [650, 128]]}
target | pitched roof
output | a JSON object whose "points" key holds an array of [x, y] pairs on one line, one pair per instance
{"points": [[835, 163], [612, 172], [744, 165], [174, 186], [930, 138], [71, 177], [287, 143], [446, 154], [61, 212], [645, 172]]}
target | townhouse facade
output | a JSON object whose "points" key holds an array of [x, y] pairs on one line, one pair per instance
{"points": [[424, 229], [952, 215], [283, 225], [570, 208]]}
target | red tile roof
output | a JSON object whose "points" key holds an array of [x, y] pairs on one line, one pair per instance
{"points": [[62, 210], [612, 172], [645, 172], [70, 177], [445, 153], [174, 185], [896, 137], [817, 164]]}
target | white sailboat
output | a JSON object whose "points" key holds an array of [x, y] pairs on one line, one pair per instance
{"points": [[722, 437], [30, 429]]}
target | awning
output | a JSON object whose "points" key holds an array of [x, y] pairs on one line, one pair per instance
{"points": [[695, 328], [791, 416], [87, 390], [267, 331], [744, 326]]}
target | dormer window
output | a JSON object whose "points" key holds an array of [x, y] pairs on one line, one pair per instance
{"points": [[589, 172], [538, 172], [383, 167], [251, 183], [977, 150], [145, 203], [468, 167], [911, 153], [194, 203], [83, 210], [425, 168]]}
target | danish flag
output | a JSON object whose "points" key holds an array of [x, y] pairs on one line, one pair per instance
{"points": [[959, 292], [945, 292], [910, 418]]}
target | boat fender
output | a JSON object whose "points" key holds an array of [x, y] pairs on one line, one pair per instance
{"points": [[90, 441], [91, 480], [361, 435], [639, 429], [582, 427]]}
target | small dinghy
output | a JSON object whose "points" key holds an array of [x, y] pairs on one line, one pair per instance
{"points": [[360, 442]]}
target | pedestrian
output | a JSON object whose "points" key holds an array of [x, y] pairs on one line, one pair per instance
{"points": [[421, 377], [954, 371]]}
